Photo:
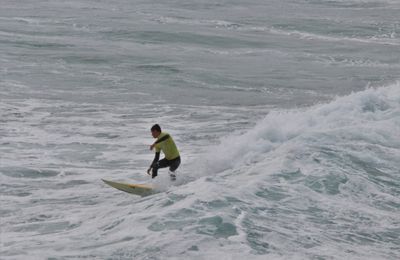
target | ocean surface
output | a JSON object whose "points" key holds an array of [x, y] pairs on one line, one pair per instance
{"points": [[286, 114]]}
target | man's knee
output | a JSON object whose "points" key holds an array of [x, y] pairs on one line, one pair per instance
{"points": [[154, 172], [175, 164], [155, 168]]}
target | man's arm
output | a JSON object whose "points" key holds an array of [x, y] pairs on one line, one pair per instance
{"points": [[156, 158], [159, 141], [162, 139]]}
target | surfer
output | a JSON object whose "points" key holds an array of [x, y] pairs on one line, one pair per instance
{"points": [[166, 144]]}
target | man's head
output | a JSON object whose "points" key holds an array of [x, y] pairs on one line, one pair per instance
{"points": [[155, 130]]}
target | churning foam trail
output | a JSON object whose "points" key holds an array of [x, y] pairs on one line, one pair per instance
{"points": [[373, 112]]}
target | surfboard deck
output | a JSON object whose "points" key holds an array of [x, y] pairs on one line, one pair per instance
{"points": [[137, 189]]}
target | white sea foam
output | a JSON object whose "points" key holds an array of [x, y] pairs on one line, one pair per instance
{"points": [[372, 109], [259, 186]]}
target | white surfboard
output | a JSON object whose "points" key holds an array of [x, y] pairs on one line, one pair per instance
{"points": [[137, 189]]}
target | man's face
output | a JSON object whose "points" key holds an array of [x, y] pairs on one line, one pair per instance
{"points": [[155, 133]]}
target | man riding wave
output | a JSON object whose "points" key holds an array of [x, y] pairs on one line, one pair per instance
{"points": [[166, 144]]}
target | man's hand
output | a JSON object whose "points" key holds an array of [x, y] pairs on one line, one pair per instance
{"points": [[149, 171], [152, 146]]}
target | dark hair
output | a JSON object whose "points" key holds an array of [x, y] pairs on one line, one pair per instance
{"points": [[156, 127]]}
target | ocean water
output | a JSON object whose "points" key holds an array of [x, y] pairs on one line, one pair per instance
{"points": [[286, 113]]}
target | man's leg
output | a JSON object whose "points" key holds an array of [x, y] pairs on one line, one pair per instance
{"points": [[160, 164], [174, 164]]}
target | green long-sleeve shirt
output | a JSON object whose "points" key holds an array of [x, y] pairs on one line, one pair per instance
{"points": [[166, 144]]}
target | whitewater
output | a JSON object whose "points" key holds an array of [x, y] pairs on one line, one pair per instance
{"points": [[286, 114]]}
